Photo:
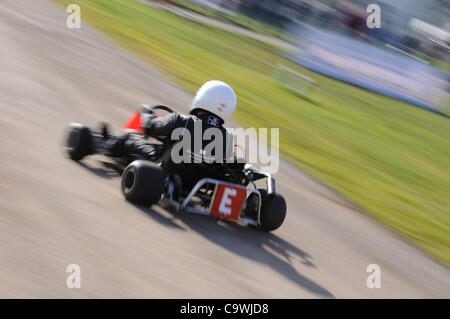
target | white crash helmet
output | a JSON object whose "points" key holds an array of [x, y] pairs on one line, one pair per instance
{"points": [[216, 97]]}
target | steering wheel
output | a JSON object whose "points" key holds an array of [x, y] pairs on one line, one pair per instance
{"points": [[151, 109]]}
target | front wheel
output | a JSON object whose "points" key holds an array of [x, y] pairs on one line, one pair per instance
{"points": [[79, 141], [143, 182], [273, 211]]}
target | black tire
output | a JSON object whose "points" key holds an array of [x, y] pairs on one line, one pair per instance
{"points": [[273, 211], [79, 141], [143, 182]]}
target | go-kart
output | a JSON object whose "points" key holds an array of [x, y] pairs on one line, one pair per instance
{"points": [[225, 191]]}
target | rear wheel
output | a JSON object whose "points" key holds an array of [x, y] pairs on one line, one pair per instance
{"points": [[143, 182], [79, 141], [273, 211]]}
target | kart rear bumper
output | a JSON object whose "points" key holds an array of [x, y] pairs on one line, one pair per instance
{"points": [[188, 204]]}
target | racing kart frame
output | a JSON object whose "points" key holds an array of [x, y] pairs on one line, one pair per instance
{"points": [[230, 195]]}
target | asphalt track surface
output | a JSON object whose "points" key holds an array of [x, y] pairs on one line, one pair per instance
{"points": [[55, 212]]}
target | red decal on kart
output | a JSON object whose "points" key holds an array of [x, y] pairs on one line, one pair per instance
{"points": [[134, 122], [228, 201]]}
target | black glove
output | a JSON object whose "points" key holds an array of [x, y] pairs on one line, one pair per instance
{"points": [[147, 115]]}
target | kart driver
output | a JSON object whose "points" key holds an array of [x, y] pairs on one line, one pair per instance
{"points": [[213, 104]]}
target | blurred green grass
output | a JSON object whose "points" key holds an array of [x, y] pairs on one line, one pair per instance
{"points": [[232, 17], [386, 156]]}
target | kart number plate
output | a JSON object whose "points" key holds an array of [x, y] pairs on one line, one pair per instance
{"points": [[228, 201]]}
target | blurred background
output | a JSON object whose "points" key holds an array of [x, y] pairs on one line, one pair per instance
{"points": [[415, 26], [418, 30]]}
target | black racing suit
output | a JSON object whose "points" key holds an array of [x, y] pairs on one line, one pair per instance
{"points": [[196, 164]]}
